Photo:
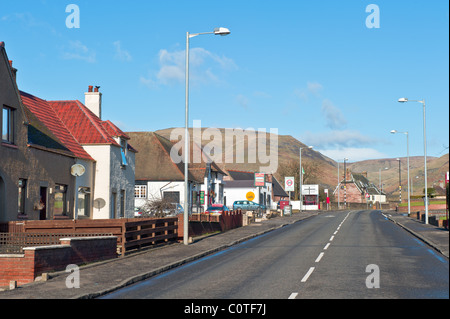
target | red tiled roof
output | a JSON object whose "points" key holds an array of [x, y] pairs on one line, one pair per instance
{"points": [[47, 115], [84, 125], [113, 130]]}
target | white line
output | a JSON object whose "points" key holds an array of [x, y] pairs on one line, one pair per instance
{"points": [[293, 295], [331, 238], [335, 232], [305, 278], [326, 246], [319, 257]]}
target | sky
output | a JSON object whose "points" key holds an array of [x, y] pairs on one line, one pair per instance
{"points": [[328, 73]]}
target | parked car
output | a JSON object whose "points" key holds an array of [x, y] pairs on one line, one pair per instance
{"points": [[216, 209], [174, 210], [248, 205], [138, 212]]}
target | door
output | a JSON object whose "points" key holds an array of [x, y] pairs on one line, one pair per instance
{"points": [[43, 203]]}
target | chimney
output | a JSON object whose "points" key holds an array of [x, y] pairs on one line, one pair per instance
{"points": [[13, 70], [93, 101]]}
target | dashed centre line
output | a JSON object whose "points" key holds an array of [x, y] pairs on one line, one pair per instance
{"points": [[310, 271]]}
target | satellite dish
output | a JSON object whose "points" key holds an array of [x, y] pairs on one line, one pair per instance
{"points": [[77, 170]]}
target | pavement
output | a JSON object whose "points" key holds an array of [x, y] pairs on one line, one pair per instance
{"points": [[98, 279]]}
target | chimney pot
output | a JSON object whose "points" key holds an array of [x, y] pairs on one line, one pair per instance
{"points": [[96, 89], [90, 88]]}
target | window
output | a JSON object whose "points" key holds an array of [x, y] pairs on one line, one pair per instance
{"points": [[60, 207], [122, 204], [84, 201], [172, 197], [140, 191], [22, 196], [8, 125]]}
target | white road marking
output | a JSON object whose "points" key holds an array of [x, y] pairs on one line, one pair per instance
{"points": [[331, 238], [305, 278], [293, 295], [319, 257], [326, 246]]}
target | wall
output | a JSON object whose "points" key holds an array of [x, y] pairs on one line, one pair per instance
{"points": [[24, 268], [111, 178], [233, 194]]}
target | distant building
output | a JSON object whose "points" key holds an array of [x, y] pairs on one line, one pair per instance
{"points": [[159, 177], [355, 188]]}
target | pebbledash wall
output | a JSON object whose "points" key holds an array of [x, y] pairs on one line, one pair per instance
{"points": [[24, 268]]}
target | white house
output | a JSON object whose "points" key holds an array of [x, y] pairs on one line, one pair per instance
{"points": [[241, 186], [113, 193], [158, 176]]}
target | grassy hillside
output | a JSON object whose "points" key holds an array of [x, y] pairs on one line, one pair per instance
{"points": [[326, 168]]}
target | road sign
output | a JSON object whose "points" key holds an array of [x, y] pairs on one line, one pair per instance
{"points": [[260, 179], [289, 184], [367, 195], [250, 196]]}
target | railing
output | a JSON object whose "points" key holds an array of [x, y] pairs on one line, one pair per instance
{"points": [[13, 243], [131, 233]]}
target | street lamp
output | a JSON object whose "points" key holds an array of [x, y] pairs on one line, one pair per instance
{"points": [[403, 100], [217, 31], [381, 186], [301, 177], [345, 183], [407, 154], [399, 179]]}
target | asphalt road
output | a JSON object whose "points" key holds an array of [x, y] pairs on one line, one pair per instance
{"points": [[358, 254]]}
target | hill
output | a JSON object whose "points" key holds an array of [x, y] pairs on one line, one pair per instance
{"points": [[324, 169]]}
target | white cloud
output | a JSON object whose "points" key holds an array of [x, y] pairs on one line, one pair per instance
{"points": [[243, 101], [203, 67], [76, 50], [338, 139], [121, 54], [333, 116], [312, 88], [353, 154]]}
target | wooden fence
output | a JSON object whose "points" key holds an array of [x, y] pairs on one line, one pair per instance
{"points": [[131, 233]]}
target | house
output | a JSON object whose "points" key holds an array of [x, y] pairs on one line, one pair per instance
{"points": [[160, 177], [82, 185], [356, 187], [240, 185], [35, 163], [113, 192]]}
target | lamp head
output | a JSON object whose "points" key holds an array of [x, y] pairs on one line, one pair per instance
{"points": [[221, 31], [403, 100], [393, 131]]}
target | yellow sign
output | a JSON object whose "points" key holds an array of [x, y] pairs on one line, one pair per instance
{"points": [[250, 196]]}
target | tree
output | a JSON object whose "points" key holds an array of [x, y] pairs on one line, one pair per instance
{"points": [[292, 168]]}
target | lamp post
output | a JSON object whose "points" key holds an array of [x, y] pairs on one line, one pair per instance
{"points": [[407, 154], [345, 183], [381, 185], [217, 31], [399, 180], [403, 100], [301, 177]]}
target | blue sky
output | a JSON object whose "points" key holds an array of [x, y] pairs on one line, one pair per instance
{"points": [[311, 69]]}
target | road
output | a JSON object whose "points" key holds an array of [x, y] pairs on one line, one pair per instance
{"points": [[356, 254]]}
